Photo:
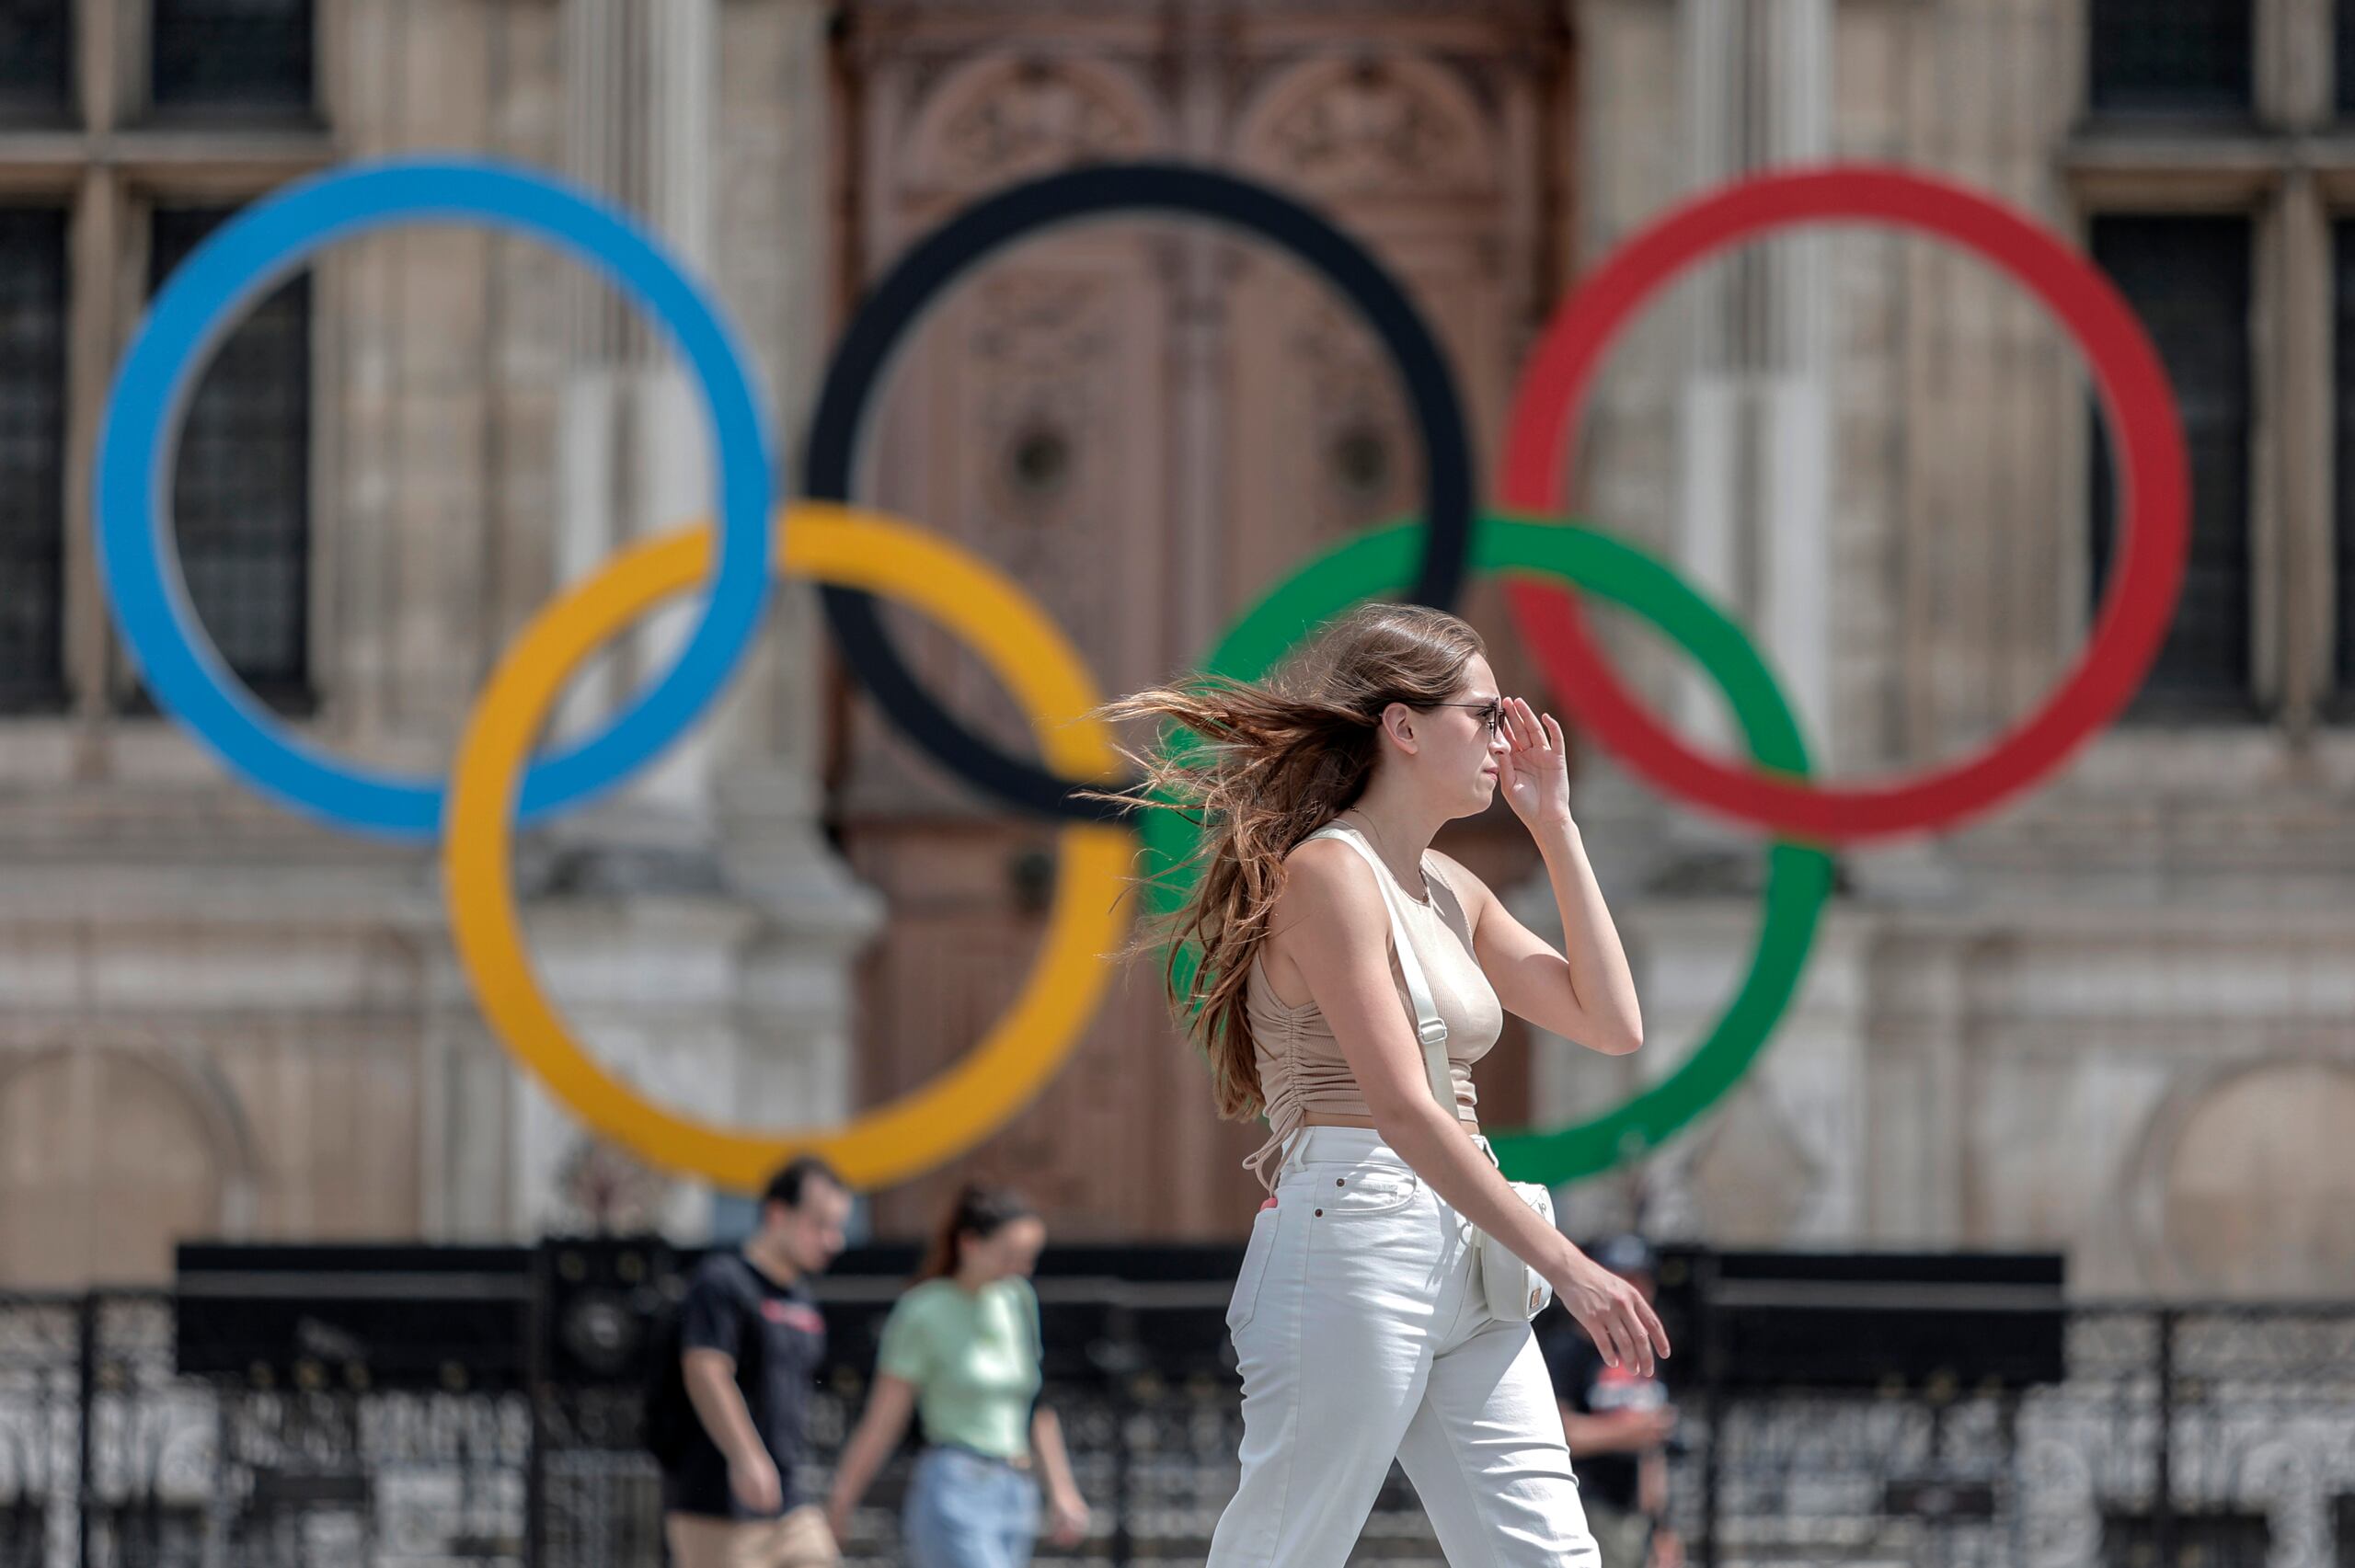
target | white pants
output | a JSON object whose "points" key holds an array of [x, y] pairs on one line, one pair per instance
{"points": [[1362, 1336]]}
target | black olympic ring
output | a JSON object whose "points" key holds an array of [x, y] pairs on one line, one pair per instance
{"points": [[884, 317]]}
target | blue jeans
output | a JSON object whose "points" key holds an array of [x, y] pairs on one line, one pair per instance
{"points": [[965, 1511]]}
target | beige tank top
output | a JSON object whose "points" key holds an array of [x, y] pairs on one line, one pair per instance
{"points": [[1301, 1065]]}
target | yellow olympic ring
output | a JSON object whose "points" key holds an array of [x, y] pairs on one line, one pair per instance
{"points": [[960, 1108]]}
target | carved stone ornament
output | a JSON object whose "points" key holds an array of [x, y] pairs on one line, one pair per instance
{"points": [[1029, 117]]}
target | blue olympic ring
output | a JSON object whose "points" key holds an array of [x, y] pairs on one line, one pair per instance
{"points": [[231, 269]]}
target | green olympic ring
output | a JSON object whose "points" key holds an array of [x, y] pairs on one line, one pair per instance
{"points": [[1798, 877]]}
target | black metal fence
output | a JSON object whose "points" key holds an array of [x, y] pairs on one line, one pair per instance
{"points": [[2222, 1436]]}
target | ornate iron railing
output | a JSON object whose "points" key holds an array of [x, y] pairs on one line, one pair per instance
{"points": [[2217, 1436]]}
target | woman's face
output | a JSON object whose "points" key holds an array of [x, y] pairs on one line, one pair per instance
{"points": [[1012, 1251], [1462, 754]]}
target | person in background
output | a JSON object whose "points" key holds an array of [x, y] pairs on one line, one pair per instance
{"points": [[962, 1351], [750, 1339], [1618, 1422]]}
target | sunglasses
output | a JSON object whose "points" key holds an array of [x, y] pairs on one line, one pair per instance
{"points": [[1492, 713]]}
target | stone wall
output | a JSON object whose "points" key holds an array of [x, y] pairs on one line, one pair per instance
{"points": [[2107, 1019], [219, 1019]]}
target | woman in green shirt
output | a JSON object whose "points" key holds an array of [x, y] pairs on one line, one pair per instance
{"points": [[961, 1352]]}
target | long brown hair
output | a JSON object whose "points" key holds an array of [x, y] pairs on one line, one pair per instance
{"points": [[1279, 758], [978, 1211]]}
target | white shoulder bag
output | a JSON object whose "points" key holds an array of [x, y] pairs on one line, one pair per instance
{"points": [[1510, 1285]]}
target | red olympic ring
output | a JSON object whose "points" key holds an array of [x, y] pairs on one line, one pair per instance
{"points": [[2154, 501]]}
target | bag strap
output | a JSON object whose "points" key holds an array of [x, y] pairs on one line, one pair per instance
{"points": [[1431, 1029]]}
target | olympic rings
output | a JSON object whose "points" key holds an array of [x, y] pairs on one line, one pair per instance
{"points": [[1798, 877], [955, 247], [859, 554], [235, 265], [962, 1107], [2156, 492]]}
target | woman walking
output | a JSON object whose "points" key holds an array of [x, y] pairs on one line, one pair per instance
{"points": [[1350, 976], [960, 1351]]}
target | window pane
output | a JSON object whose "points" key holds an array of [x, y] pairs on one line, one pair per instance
{"points": [[2344, 246], [2201, 1540], [2172, 56], [2346, 94], [241, 487], [33, 459], [232, 53], [35, 57], [2188, 281]]}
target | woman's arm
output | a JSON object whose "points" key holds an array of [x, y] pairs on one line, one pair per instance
{"points": [[880, 1431], [1334, 926], [1585, 993], [1067, 1511], [1587, 997]]}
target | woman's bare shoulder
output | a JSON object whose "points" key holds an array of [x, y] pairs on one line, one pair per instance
{"points": [[1323, 863], [1322, 878]]}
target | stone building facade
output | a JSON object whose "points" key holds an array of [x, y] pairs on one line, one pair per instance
{"points": [[221, 1019], [2112, 1018]]}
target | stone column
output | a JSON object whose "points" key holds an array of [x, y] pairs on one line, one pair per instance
{"points": [[775, 235], [1754, 431], [1746, 400], [637, 459], [701, 937]]}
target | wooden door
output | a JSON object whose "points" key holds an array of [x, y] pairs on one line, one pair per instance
{"points": [[1147, 423]]}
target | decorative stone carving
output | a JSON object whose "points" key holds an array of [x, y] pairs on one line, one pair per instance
{"points": [[1037, 342], [1041, 346], [112, 1156], [1378, 126], [1362, 452], [2256, 1187], [1752, 1179], [1012, 117], [606, 1191]]}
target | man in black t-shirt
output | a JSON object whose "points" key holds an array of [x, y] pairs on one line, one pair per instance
{"points": [[1617, 1422], [750, 1339]]}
